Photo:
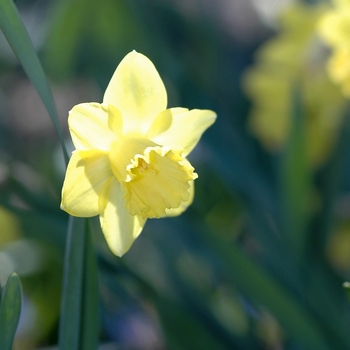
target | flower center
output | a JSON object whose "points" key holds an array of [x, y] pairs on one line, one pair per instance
{"points": [[153, 178], [144, 167]]}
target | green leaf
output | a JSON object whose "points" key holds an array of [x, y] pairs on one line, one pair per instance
{"points": [[72, 294], [90, 307], [295, 181], [79, 309], [10, 310], [16, 34]]}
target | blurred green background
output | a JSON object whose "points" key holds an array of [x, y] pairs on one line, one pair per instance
{"points": [[258, 261]]}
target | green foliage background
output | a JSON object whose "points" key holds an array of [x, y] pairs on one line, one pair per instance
{"points": [[259, 259]]}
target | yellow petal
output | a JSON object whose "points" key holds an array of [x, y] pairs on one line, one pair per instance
{"points": [[186, 129], [86, 175], [137, 90], [341, 3], [163, 121], [339, 65], [184, 205], [333, 26], [94, 126], [118, 226]]}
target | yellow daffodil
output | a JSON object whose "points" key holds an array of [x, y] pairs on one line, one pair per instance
{"points": [[129, 162], [334, 29], [294, 58]]}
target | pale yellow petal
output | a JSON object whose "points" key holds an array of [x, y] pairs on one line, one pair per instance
{"points": [[94, 126], [138, 92], [341, 3], [184, 205], [339, 65], [87, 173], [333, 27], [118, 226], [186, 129], [163, 121]]}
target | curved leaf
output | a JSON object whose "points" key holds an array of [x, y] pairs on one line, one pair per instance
{"points": [[10, 310]]}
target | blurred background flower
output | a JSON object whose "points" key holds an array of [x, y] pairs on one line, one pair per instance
{"points": [[335, 31], [294, 59]]}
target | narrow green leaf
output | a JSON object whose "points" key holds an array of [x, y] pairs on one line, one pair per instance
{"points": [[10, 311], [295, 181], [90, 306], [16, 34], [72, 294], [79, 322]]}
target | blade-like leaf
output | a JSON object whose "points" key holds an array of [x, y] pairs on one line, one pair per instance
{"points": [[16, 34], [72, 294], [295, 181], [79, 309], [10, 310], [90, 309]]}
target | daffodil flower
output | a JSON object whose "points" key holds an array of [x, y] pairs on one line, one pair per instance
{"points": [[129, 162], [334, 29], [293, 57]]}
